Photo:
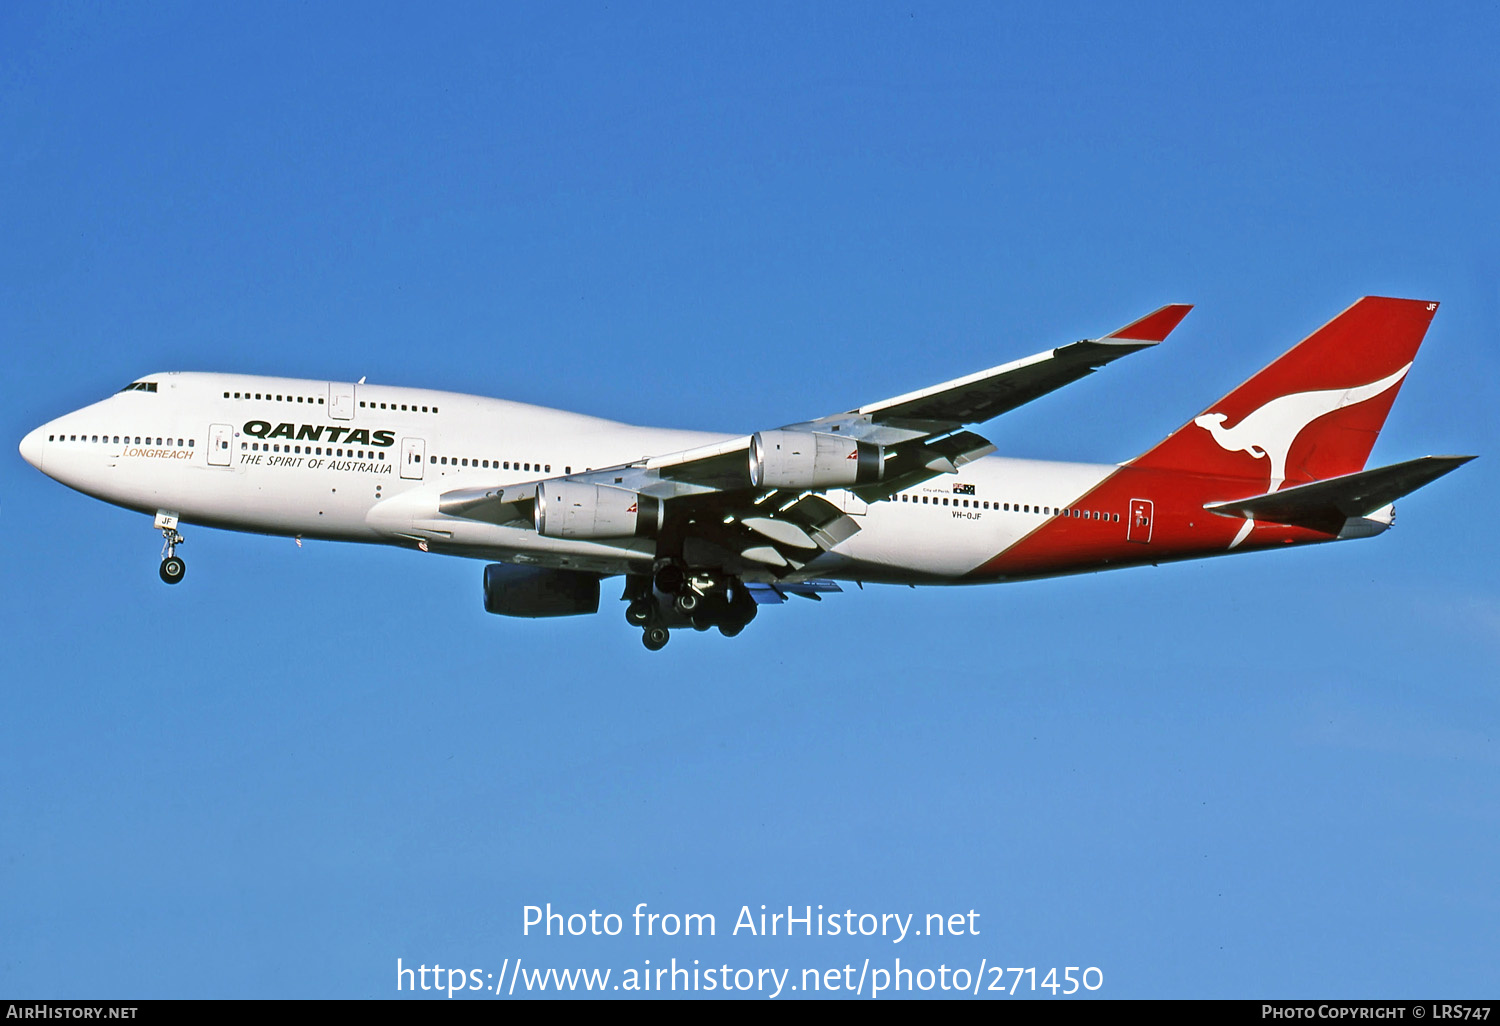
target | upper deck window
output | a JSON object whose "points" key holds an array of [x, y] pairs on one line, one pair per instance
{"points": [[140, 386]]}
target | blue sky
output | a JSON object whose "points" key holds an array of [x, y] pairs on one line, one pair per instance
{"points": [[1270, 775]]}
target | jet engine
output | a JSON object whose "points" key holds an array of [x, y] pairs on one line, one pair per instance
{"points": [[534, 591], [812, 459], [570, 509]]}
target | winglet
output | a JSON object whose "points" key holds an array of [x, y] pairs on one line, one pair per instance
{"points": [[1154, 327]]}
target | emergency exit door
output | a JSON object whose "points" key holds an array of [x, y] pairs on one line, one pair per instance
{"points": [[220, 440], [1139, 529], [413, 455], [341, 401]]}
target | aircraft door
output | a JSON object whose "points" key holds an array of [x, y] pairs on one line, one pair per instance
{"points": [[220, 440], [1139, 529], [854, 504], [413, 455], [341, 401]]}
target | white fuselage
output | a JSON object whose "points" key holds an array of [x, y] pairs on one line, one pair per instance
{"points": [[368, 463]]}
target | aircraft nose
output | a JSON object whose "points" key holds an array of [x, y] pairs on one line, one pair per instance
{"points": [[32, 447]]}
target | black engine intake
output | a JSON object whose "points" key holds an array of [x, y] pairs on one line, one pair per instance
{"points": [[533, 591]]}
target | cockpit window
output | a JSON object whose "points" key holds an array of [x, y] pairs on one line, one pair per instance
{"points": [[140, 386]]}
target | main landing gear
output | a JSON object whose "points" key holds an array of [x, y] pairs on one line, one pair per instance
{"points": [[172, 566], [676, 596]]}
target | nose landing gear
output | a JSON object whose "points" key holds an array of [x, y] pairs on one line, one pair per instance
{"points": [[172, 566]]}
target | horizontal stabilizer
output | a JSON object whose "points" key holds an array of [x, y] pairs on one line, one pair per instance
{"points": [[1326, 503]]}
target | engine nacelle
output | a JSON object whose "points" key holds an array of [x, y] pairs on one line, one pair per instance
{"points": [[570, 509], [812, 459], [534, 591]]}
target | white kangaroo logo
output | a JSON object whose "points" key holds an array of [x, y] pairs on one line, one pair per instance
{"points": [[1270, 431]]}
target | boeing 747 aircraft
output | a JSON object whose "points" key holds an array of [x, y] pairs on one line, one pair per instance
{"points": [[704, 528]]}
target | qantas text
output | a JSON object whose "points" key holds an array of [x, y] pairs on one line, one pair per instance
{"points": [[335, 435]]}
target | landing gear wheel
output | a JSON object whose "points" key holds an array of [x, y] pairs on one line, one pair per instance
{"points": [[638, 613], [687, 603], [729, 630], [172, 568], [655, 638]]}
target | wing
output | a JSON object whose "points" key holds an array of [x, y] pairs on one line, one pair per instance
{"points": [[712, 504], [983, 396]]}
